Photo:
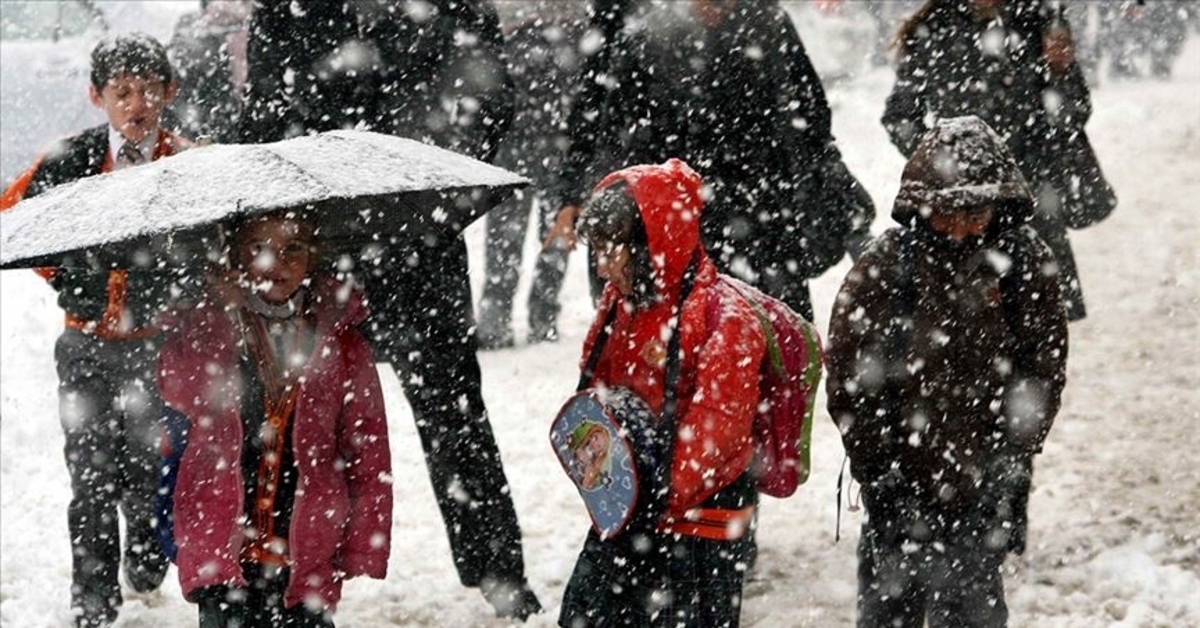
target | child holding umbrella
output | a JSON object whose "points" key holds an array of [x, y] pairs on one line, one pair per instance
{"points": [[284, 489]]}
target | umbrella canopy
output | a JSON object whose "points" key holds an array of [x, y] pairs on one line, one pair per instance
{"points": [[363, 190]]}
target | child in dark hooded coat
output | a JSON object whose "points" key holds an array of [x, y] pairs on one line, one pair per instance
{"points": [[947, 359]]}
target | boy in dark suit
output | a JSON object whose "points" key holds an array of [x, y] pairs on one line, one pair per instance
{"points": [[108, 403]]}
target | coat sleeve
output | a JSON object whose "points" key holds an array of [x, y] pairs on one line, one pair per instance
{"points": [[1038, 326], [470, 69], [904, 112], [266, 112], [805, 105], [714, 440], [860, 371], [364, 446]]}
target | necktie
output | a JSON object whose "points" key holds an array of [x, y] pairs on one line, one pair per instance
{"points": [[130, 155]]}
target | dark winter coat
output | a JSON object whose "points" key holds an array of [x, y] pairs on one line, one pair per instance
{"points": [[434, 71], [340, 525], [439, 76], [782, 201], [543, 60], [944, 357], [208, 53], [953, 64], [717, 391], [114, 304]]}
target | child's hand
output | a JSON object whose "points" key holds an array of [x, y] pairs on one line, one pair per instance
{"points": [[225, 289]]}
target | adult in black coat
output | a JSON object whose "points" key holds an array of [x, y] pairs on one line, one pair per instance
{"points": [[993, 59], [726, 86], [432, 71]]}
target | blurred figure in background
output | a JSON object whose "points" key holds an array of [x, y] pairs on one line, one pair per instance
{"points": [[674, 80], [888, 15], [208, 50], [109, 405], [1143, 37], [432, 71], [542, 44], [1011, 64]]}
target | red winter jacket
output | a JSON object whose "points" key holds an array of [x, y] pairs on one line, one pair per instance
{"points": [[720, 339], [342, 515]]}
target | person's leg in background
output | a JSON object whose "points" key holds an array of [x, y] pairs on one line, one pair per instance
{"points": [[504, 239], [87, 410], [138, 459], [421, 323], [546, 284]]}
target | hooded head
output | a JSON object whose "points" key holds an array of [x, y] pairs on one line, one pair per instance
{"points": [[961, 166], [654, 210]]}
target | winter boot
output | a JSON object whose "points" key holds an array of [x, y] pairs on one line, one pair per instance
{"points": [[511, 599], [145, 564]]}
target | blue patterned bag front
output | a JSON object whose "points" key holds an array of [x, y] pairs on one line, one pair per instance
{"points": [[605, 442]]}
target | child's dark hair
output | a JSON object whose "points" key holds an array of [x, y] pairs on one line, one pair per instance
{"points": [[612, 216], [135, 54]]}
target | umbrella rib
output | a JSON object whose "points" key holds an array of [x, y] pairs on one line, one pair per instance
{"points": [[295, 168]]}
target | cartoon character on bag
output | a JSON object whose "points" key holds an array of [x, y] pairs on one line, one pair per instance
{"points": [[591, 445]]}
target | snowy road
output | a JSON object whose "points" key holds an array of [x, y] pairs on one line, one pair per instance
{"points": [[1113, 534]]}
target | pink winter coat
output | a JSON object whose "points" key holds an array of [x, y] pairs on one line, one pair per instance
{"points": [[342, 515]]}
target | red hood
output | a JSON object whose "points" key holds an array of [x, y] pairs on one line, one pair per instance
{"points": [[668, 196]]}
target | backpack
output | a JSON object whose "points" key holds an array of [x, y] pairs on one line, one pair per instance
{"points": [[635, 476], [789, 374]]}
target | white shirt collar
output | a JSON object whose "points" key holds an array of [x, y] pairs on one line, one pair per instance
{"points": [[116, 141]]}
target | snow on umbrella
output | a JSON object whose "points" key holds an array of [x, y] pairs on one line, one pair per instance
{"points": [[363, 190]]}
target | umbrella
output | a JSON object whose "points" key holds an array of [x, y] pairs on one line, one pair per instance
{"points": [[364, 191]]}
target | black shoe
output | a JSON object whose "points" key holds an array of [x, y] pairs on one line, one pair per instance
{"points": [[491, 340], [145, 566], [91, 612], [543, 333], [511, 600]]}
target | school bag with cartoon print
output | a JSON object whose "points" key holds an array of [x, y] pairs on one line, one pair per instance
{"points": [[606, 441], [618, 427]]}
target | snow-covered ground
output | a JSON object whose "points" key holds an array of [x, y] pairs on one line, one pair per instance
{"points": [[1113, 535]]}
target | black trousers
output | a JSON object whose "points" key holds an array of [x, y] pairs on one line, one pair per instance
{"points": [[656, 580], [258, 605], [505, 241], [110, 409], [422, 323], [920, 562], [644, 578]]}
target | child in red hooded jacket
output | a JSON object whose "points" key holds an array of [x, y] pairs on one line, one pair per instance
{"points": [[284, 490], [686, 567]]}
